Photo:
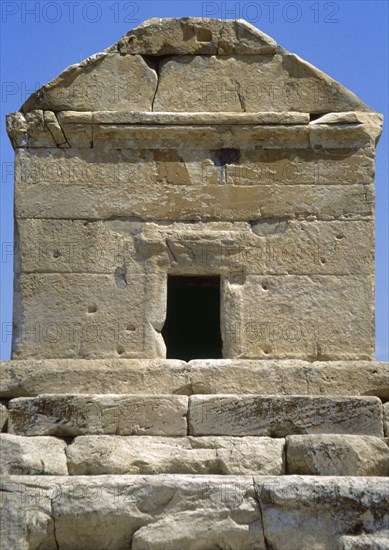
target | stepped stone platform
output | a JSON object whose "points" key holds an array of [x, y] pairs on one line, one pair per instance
{"points": [[200, 470]]}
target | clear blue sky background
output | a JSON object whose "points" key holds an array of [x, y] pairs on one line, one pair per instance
{"points": [[346, 39]]}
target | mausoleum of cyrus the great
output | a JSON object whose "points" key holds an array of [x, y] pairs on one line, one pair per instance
{"points": [[193, 348]]}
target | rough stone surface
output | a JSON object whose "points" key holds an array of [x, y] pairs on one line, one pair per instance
{"points": [[32, 455], [194, 512], [195, 35], [28, 378], [262, 185], [248, 83], [278, 416], [91, 455], [310, 512], [72, 415], [101, 512], [103, 82], [88, 315], [337, 455], [3, 415]]}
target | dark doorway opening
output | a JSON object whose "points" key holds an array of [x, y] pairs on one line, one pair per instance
{"points": [[192, 327]]}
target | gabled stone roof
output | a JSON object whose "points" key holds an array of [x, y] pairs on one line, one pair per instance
{"points": [[194, 65]]}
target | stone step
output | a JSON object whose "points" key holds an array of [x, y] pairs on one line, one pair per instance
{"points": [[279, 416], [341, 455], [31, 377], [193, 512], [198, 415], [346, 455]]}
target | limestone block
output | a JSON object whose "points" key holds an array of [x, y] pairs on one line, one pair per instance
{"points": [[55, 129], [31, 377], [249, 83], [314, 512], [265, 247], [94, 455], [86, 315], [195, 35], [100, 512], [338, 455], [66, 246], [32, 455], [3, 416], [276, 136], [179, 183], [278, 416], [187, 119], [105, 82], [17, 129], [77, 128], [72, 415], [294, 316], [287, 377], [386, 419]]}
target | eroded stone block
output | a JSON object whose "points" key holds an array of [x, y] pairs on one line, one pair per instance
{"points": [[278, 416], [91, 455], [103, 82], [32, 455], [99, 512], [248, 83], [72, 415], [85, 315], [314, 512], [338, 455]]}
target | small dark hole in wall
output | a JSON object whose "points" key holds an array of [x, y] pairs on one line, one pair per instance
{"points": [[192, 327], [92, 308], [315, 116], [203, 35], [221, 157]]}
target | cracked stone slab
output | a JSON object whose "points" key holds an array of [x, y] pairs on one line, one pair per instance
{"points": [[32, 455], [314, 512], [102, 82], [115, 512], [72, 415], [247, 83], [92, 455], [278, 416], [31, 377], [337, 455]]}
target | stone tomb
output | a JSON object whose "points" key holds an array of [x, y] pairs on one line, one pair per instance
{"points": [[194, 303]]}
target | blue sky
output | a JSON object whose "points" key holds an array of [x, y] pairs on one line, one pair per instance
{"points": [[347, 40]]}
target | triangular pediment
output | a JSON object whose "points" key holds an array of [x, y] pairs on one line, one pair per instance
{"points": [[194, 65]]}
